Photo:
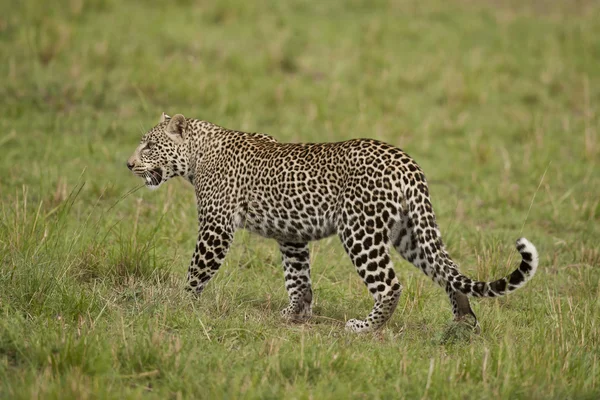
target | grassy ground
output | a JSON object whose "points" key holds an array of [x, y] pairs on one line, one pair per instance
{"points": [[489, 97]]}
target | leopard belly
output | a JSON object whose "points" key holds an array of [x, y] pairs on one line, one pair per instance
{"points": [[287, 225]]}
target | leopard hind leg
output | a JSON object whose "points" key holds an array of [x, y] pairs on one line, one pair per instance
{"points": [[405, 242], [369, 251]]}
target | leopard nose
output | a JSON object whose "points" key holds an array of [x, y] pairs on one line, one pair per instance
{"points": [[129, 165]]}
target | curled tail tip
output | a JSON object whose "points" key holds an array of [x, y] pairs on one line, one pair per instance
{"points": [[529, 254], [514, 280]]}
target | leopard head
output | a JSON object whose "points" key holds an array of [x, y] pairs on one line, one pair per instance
{"points": [[162, 152]]}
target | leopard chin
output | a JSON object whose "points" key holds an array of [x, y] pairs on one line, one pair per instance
{"points": [[154, 178]]}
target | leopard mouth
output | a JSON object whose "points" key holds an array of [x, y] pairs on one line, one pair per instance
{"points": [[154, 177]]}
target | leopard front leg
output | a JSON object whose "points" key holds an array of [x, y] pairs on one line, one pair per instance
{"points": [[296, 267], [213, 243]]}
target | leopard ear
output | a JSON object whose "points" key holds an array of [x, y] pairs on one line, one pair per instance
{"points": [[176, 128], [164, 118]]}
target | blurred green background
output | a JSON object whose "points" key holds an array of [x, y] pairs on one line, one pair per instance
{"points": [[496, 100]]}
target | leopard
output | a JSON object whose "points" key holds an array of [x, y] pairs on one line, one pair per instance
{"points": [[369, 193]]}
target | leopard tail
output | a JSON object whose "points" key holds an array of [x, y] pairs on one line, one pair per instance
{"points": [[513, 281], [429, 239]]}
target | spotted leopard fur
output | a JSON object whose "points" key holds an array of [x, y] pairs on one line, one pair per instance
{"points": [[369, 193]]}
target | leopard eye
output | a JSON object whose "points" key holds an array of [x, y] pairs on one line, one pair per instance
{"points": [[148, 146]]}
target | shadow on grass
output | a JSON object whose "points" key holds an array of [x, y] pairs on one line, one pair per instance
{"points": [[458, 332]]}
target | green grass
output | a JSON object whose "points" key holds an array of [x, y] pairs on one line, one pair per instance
{"points": [[489, 97]]}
